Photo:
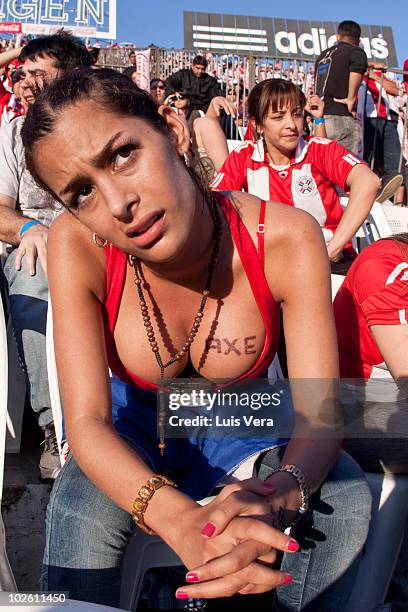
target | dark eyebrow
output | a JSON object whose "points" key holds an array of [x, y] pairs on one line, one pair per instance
{"points": [[36, 71], [98, 161]]}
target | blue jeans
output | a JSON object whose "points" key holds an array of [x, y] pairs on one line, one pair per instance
{"points": [[28, 297], [388, 146], [87, 535]]}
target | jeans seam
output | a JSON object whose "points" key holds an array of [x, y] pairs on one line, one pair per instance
{"points": [[48, 538], [302, 592]]}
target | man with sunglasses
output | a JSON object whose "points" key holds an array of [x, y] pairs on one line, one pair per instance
{"points": [[196, 82], [26, 212]]}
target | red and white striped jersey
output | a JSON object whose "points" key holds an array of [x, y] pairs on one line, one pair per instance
{"points": [[375, 292], [308, 183]]}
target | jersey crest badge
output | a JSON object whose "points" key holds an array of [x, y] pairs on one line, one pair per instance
{"points": [[305, 186]]}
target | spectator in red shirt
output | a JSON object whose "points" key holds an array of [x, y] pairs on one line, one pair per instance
{"points": [[281, 165], [371, 313], [381, 139]]}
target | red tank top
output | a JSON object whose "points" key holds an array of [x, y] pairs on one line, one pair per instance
{"points": [[253, 264]]}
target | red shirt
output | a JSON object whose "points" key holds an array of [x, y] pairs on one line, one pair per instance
{"points": [[308, 183], [375, 292], [387, 101]]}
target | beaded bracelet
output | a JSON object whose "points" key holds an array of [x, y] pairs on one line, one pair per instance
{"points": [[142, 499]]}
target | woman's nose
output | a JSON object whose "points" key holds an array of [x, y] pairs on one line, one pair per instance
{"points": [[120, 201]]}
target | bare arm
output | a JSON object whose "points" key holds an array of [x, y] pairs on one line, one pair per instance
{"points": [[11, 220], [392, 342], [315, 106], [312, 355], [363, 185], [31, 244], [388, 86], [209, 135], [355, 79], [8, 56]]}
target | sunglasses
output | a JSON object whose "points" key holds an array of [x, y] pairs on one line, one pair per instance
{"points": [[173, 99]]}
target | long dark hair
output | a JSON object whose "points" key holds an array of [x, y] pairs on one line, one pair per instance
{"points": [[111, 92]]}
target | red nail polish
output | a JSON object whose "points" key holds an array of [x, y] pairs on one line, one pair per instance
{"points": [[292, 546], [192, 577], [208, 530], [270, 485], [182, 595], [288, 579]]}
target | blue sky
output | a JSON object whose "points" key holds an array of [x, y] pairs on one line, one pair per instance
{"points": [[161, 21]]}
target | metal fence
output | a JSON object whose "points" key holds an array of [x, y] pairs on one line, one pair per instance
{"points": [[237, 74]]}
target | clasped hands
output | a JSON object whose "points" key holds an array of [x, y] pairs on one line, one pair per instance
{"points": [[230, 545]]}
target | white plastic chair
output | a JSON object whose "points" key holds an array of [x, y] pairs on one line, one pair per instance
{"points": [[53, 384], [143, 553], [376, 226], [7, 582], [16, 384], [397, 218], [16, 395]]}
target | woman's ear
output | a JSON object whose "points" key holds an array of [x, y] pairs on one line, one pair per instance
{"points": [[179, 127]]}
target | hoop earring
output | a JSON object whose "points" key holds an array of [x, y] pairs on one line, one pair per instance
{"points": [[100, 242]]}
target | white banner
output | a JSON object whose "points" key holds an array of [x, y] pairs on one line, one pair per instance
{"points": [[143, 69], [45, 30]]}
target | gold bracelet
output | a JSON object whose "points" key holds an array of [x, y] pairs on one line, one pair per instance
{"points": [[145, 494]]}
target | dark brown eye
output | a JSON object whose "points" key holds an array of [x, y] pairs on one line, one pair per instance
{"points": [[122, 155]]}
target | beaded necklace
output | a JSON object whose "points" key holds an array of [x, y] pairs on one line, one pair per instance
{"points": [[135, 262]]}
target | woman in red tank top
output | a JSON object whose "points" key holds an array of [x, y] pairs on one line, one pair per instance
{"points": [[179, 285]]}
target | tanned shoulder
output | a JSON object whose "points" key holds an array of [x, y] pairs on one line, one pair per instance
{"points": [[71, 249]]}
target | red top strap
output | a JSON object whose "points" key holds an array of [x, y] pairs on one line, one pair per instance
{"points": [[260, 233]]}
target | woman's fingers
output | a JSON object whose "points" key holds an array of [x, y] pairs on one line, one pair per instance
{"points": [[252, 529], [254, 589], [244, 528], [233, 501], [237, 559], [270, 558], [234, 572]]}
